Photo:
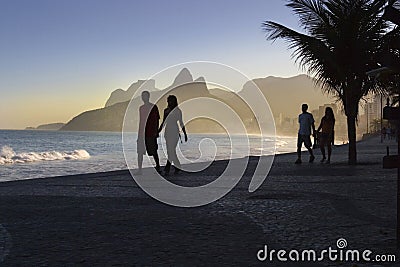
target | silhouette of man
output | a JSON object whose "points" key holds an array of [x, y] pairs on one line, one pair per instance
{"points": [[306, 121], [148, 131]]}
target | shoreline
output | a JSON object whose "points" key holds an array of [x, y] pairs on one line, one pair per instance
{"points": [[216, 162]]}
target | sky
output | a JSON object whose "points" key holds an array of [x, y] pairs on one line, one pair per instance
{"points": [[59, 58]]}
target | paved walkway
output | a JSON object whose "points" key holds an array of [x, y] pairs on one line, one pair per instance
{"points": [[105, 219]]}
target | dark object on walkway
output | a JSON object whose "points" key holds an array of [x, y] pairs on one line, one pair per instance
{"points": [[391, 113], [391, 162]]}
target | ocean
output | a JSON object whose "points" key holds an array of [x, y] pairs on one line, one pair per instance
{"points": [[36, 154]]}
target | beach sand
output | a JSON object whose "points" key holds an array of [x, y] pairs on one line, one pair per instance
{"points": [[105, 219]]}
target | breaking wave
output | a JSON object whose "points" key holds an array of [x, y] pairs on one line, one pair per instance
{"points": [[8, 156]]}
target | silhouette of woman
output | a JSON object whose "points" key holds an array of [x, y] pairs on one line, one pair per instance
{"points": [[326, 135], [172, 116]]}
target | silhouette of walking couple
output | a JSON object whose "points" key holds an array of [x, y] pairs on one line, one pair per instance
{"points": [[324, 133], [149, 130]]}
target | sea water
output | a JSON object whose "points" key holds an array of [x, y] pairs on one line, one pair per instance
{"points": [[36, 154]]}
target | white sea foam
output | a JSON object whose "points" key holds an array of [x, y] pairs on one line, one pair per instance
{"points": [[8, 156], [280, 143]]}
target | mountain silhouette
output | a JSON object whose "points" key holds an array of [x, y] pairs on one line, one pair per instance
{"points": [[110, 118], [285, 95], [120, 95], [184, 76]]}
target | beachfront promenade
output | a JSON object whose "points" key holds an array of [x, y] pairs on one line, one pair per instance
{"points": [[105, 219]]}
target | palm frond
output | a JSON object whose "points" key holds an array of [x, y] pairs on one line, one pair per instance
{"points": [[310, 53], [311, 13]]}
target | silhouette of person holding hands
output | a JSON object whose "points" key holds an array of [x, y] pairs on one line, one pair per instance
{"points": [[172, 116], [383, 132], [148, 131], [306, 121], [326, 135], [389, 132]]}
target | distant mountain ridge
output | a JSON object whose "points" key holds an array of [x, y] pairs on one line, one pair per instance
{"points": [[120, 95], [48, 127], [285, 95], [102, 119], [110, 118]]}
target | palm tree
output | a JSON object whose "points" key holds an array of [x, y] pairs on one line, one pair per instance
{"points": [[341, 42]]}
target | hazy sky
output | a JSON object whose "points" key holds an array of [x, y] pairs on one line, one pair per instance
{"points": [[62, 57]]}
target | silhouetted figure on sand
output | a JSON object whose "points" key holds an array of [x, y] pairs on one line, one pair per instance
{"points": [[306, 121], [172, 116], [383, 133], [389, 133], [148, 131], [326, 135]]}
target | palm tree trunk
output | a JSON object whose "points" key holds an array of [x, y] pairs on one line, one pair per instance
{"points": [[351, 133]]}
